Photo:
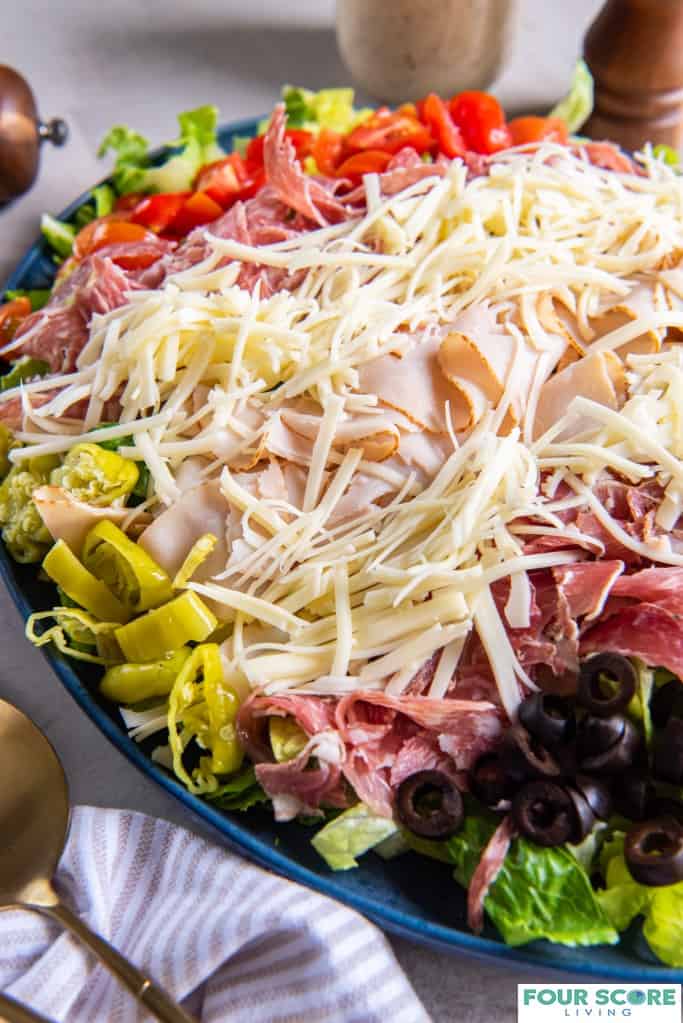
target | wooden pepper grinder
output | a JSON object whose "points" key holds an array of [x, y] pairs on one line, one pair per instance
{"points": [[634, 49], [21, 134]]}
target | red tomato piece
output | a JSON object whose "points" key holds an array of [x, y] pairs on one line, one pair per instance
{"points": [[390, 132], [254, 155], [233, 178], [481, 120], [102, 232], [199, 209], [301, 140], [328, 151], [436, 115], [354, 167], [538, 129], [157, 211], [12, 314]]}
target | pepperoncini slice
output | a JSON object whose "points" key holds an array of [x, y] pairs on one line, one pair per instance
{"points": [[95, 475], [206, 708], [198, 553], [159, 632], [127, 569], [70, 622], [64, 568], [131, 683]]}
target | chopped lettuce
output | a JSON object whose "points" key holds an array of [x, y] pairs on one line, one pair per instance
{"points": [[577, 105], [539, 892], [639, 707], [38, 297], [58, 234], [667, 154], [240, 792], [196, 145], [101, 204], [351, 834], [332, 109], [624, 899], [26, 368]]}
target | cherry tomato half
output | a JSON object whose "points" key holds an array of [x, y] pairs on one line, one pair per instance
{"points": [[195, 211], [102, 232], [537, 129], [390, 132], [354, 167], [157, 211], [436, 115], [225, 181], [12, 315], [481, 120], [328, 151]]}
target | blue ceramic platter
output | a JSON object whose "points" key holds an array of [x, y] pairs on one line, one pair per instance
{"points": [[410, 896]]}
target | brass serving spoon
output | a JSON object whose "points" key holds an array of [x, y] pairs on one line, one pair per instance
{"points": [[34, 820], [12, 1011]]}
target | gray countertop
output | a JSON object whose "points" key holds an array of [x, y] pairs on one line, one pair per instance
{"points": [[141, 61]]}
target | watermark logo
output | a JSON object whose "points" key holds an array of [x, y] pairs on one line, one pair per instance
{"points": [[636, 1003]]}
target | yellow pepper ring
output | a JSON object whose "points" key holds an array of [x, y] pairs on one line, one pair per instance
{"points": [[126, 568], [64, 568], [199, 693], [157, 633], [131, 683]]}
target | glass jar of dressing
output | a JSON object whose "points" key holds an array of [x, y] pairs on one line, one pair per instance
{"points": [[402, 49]]}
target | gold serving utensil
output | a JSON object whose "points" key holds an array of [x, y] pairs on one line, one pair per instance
{"points": [[34, 820], [12, 1011]]}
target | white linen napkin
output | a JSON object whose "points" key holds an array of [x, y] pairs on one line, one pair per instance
{"points": [[232, 941]]}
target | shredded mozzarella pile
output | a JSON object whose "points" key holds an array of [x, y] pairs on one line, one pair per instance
{"points": [[474, 293]]}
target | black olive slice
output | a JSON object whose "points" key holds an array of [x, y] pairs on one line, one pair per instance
{"points": [[596, 794], [584, 818], [668, 757], [591, 692], [666, 701], [595, 735], [547, 717], [654, 852], [618, 757], [489, 781], [429, 804], [544, 812], [525, 757], [633, 795]]}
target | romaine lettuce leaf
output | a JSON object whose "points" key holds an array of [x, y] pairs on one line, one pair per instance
{"points": [[239, 792], [577, 105], [26, 368], [197, 145], [38, 297], [58, 234], [539, 893], [667, 154], [624, 899], [332, 109], [351, 834], [639, 707]]}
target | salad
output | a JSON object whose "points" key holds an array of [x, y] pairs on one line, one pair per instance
{"points": [[355, 458]]}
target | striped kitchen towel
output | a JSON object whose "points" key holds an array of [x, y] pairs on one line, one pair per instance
{"points": [[232, 941]]}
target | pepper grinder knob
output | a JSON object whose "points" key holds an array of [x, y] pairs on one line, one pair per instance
{"points": [[21, 134], [634, 49]]}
